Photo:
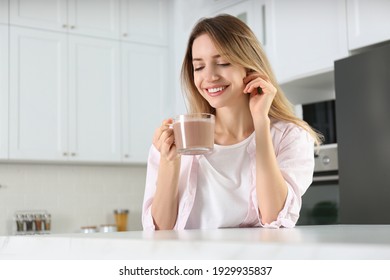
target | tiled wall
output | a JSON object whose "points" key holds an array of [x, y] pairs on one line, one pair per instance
{"points": [[75, 195]]}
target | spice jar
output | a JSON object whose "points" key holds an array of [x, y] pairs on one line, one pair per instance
{"points": [[121, 219], [88, 229], [38, 222], [108, 228], [29, 223], [46, 222]]}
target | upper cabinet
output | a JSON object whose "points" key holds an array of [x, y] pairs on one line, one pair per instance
{"points": [[4, 11], [145, 21], [307, 37], [144, 99], [64, 97], [255, 13], [73, 16], [4, 93], [368, 22], [94, 99], [38, 95]]}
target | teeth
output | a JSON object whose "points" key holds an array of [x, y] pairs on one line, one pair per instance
{"points": [[213, 90]]}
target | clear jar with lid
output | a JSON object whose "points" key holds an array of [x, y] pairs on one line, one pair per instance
{"points": [[38, 222], [88, 229], [20, 223], [121, 219], [108, 228], [46, 222]]}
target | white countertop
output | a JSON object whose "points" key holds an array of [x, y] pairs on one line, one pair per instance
{"points": [[302, 242]]}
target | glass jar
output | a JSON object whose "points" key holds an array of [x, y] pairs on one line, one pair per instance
{"points": [[121, 219]]}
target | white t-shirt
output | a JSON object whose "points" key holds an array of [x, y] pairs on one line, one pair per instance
{"points": [[223, 187]]}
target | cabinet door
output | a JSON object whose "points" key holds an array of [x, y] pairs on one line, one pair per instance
{"points": [[94, 99], [38, 87], [94, 18], [44, 14], [368, 22], [308, 37], [144, 76], [4, 11], [4, 91], [253, 13], [145, 21]]}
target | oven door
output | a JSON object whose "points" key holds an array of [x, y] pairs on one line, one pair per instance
{"points": [[320, 203]]}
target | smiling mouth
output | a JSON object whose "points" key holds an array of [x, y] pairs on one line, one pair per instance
{"points": [[216, 90]]}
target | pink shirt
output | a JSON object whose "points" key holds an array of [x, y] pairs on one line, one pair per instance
{"points": [[294, 150]]}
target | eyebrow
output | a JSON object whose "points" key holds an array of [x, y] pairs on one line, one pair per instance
{"points": [[200, 59]]}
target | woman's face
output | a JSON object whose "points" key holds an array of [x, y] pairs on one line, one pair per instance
{"points": [[218, 81]]}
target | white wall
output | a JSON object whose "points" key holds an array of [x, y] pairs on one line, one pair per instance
{"points": [[75, 195], [185, 14]]}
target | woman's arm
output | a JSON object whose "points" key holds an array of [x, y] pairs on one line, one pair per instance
{"points": [[164, 207], [166, 199], [271, 187]]}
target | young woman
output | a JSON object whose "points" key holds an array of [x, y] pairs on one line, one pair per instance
{"points": [[263, 157]]}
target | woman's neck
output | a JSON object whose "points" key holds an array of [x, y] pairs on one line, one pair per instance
{"points": [[233, 125]]}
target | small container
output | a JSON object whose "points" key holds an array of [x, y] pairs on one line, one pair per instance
{"points": [[46, 222], [108, 228], [30, 224], [121, 219], [38, 222], [88, 229]]}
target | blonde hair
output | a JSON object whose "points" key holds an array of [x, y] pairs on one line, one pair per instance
{"points": [[236, 42]]}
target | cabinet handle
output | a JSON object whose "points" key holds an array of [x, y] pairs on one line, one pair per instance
{"points": [[65, 154], [72, 27], [64, 26], [124, 34], [263, 13], [126, 155], [73, 154]]}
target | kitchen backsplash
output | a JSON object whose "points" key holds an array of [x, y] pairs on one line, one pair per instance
{"points": [[74, 195]]}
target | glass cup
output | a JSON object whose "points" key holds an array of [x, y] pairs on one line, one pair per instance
{"points": [[194, 133], [121, 219]]}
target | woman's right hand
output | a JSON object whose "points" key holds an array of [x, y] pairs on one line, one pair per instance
{"points": [[164, 141]]}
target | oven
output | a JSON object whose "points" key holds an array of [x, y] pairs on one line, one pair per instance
{"points": [[320, 203]]}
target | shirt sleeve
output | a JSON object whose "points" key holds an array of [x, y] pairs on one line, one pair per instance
{"points": [[150, 188], [294, 149]]}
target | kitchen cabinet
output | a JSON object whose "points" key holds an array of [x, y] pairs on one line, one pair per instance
{"points": [[4, 46], [94, 99], [4, 11], [256, 14], [145, 87], [53, 119], [38, 94], [73, 16], [145, 21], [307, 37], [368, 22]]}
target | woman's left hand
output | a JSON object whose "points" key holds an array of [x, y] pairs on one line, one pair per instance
{"points": [[259, 103]]}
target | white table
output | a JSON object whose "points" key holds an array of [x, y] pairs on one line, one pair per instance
{"points": [[302, 242]]}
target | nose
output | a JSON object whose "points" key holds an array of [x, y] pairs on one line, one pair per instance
{"points": [[211, 74]]}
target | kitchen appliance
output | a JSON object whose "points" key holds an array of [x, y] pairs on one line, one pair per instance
{"points": [[362, 83], [321, 201], [322, 117]]}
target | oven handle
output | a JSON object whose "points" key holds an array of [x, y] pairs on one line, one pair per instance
{"points": [[325, 178]]}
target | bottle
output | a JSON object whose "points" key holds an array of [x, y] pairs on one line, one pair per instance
{"points": [[121, 219]]}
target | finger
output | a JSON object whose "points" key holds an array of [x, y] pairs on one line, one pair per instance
{"points": [[252, 86], [167, 145]]}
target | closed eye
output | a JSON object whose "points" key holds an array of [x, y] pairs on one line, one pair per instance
{"points": [[224, 64], [198, 68]]}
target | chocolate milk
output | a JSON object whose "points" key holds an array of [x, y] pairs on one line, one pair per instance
{"points": [[194, 136]]}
